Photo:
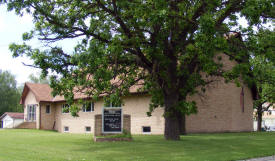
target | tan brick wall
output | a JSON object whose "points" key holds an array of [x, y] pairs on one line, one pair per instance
{"points": [[219, 110], [98, 125], [30, 99], [242, 121], [137, 106], [47, 119], [75, 124]]}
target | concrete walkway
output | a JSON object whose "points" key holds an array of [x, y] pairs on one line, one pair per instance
{"points": [[270, 158]]}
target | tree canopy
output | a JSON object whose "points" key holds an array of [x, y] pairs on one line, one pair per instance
{"points": [[163, 45], [263, 73], [9, 95]]}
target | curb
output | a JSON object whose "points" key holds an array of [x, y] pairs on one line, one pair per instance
{"points": [[269, 158]]}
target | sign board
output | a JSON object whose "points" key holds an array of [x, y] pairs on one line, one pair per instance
{"points": [[112, 120]]}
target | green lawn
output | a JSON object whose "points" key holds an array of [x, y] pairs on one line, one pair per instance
{"points": [[31, 145]]}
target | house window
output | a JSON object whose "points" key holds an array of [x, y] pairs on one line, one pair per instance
{"points": [[48, 109], [88, 107], [65, 108], [146, 129], [66, 128], [31, 112], [110, 104], [88, 128]]}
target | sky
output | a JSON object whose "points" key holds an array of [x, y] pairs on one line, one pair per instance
{"points": [[12, 27]]}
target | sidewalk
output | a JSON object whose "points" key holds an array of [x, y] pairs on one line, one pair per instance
{"points": [[270, 158]]}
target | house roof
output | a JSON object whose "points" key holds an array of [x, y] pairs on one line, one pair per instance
{"points": [[13, 115], [42, 93]]}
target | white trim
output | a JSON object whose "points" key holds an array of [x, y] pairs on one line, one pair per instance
{"points": [[31, 117], [84, 108]]}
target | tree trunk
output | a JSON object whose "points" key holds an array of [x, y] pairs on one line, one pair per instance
{"points": [[259, 127], [172, 130], [182, 125], [259, 118]]}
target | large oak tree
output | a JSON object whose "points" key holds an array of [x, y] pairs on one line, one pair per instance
{"points": [[163, 45]]}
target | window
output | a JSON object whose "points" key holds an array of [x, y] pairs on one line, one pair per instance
{"points": [[88, 128], [31, 112], [66, 128], [146, 129], [65, 108], [110, 104], [88, 107], [48, 109]]}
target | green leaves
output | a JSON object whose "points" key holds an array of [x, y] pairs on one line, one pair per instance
{"points": [[9, 94], [263, 71]]}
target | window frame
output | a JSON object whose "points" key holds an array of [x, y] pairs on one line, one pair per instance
{"points": [[63, 106], [146, 127], [31, 112], [84, 107], [48, 112], [88, 127], [64, 129]]}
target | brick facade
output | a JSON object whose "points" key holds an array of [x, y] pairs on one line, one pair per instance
{"points": [[219, 110]]}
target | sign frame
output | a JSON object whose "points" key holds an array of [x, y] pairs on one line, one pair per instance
{"points": [[112, 132]]}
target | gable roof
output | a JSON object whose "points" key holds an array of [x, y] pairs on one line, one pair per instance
{"points": [[42, 92], [14, 115]]}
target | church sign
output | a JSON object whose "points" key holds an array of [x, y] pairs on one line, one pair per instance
{"points": [[112, 120]]}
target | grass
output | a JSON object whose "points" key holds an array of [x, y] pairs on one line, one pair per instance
{"points": [[36, 145], [125, 134]]}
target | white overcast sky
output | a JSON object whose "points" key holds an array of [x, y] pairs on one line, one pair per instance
{"points": [[12, 27]]}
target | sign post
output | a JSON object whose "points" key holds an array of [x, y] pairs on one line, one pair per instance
{"points": [[112, 121]]}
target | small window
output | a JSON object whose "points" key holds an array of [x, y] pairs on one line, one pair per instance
{"points": [[88, 107], [48, 109], [112, 104], [88, 128], [66, 128], [65, 108], [146, 129]]}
